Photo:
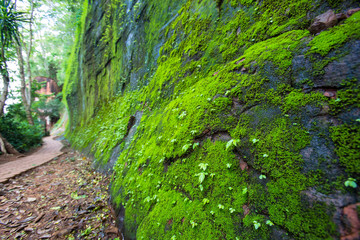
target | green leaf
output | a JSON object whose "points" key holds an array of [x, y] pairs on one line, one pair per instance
{"points": [[186, 147], [232, 143], [256, 224], [351, 182], [193, 224], [205, 201], [262, 177], [202, 176], [203, 166], [229, 144], [270, 223]]}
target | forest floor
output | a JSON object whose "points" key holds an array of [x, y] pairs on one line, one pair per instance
{"points": [[62, 199]]}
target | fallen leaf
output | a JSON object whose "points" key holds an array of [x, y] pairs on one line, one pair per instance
{"points": [[31, 199]]}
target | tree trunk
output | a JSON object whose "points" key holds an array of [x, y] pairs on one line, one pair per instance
{"points": [[23, 85], [28, 55], [6, 147], [5, 89]]}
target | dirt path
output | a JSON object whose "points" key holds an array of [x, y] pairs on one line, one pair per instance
{"points": [[62, 199], [48, 151]]}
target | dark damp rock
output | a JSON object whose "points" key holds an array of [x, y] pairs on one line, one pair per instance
{"points": [[349, 116], [347, 67], [341, 16], [323, 21], [337, 199], [302, 70]]}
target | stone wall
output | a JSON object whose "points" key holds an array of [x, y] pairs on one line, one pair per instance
{"points": [[222, 119]]}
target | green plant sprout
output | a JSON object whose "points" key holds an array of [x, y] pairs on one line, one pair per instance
{"points": [[270, 223], [351, 182], [202, 176], [232, 210], [195, 145], [212, 175], [193, 132], [193, 224], [205, 201], [203, 166], [232, 143], [182, 115], [256, 224], [265, 155], [220, 206], [186, 147], [262, 177], [212, 212], [201, 187], [228, 165], [254, 140], [244, 191]]}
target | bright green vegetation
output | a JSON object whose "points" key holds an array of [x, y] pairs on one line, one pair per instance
{"points": [[220, 93]]}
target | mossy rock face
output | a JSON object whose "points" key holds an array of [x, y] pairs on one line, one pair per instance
{"points": [[220, 119]]}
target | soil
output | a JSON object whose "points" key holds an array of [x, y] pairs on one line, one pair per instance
{"points": [[62, 199]]}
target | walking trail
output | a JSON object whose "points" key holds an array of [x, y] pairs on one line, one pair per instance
{"points": [[47, 152]]}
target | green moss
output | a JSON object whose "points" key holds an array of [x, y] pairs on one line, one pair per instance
{"points": [[347, 140], [173, 203], [347, 98], [335, 37], [297, 99]]}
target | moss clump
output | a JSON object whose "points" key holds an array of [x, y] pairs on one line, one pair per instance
{"points": [[347, 98], [296, 99], [278, 50], [347, 140], [203, 192]]}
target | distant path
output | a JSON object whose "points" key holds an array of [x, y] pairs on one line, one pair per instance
{"points": [[47, 152]]}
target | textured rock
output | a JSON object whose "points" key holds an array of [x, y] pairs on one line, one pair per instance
{"points": [[323, 21], [351, 220], [352, 11], [346, 67]]}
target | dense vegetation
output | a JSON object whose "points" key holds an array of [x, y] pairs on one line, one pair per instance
{"points": [[33, 51], [15, 128]]}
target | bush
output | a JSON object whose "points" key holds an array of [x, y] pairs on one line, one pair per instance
{"points": [[17, 131]]}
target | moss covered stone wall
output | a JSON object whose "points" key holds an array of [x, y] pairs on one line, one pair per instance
{"points": [[221, 119]]}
